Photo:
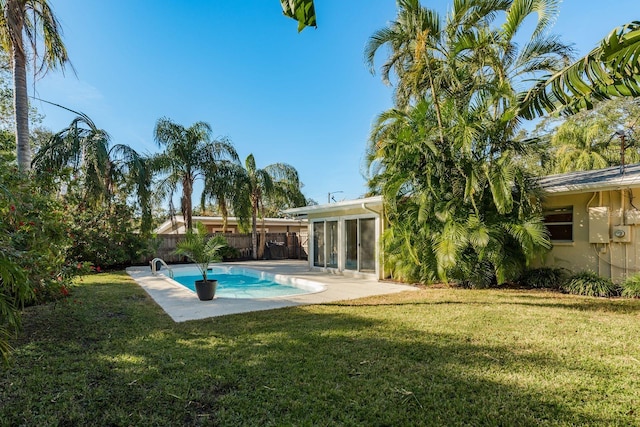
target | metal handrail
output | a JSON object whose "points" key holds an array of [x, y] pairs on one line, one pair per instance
{"points": [[153, 267]]}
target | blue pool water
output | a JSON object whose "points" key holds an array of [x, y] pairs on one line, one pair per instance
{"points": [[239, 283]]}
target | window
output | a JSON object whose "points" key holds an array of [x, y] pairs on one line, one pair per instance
{"points": [[559, 222]]}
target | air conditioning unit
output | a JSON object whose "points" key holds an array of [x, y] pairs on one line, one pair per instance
{"points": [[621, 234]]}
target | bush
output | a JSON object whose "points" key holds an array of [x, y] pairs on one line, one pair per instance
{"points": [[229, 253], [631, 287], [105, 235], [589, 283], [544, 277]]}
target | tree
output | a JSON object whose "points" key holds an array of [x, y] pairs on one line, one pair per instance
{"points": [[83, 153], [459, 205], [223, 183], [21, 22], [610, 70], [189, 153], [277, 183], [592, 139]]}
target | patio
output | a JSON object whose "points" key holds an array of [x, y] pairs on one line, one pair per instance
{"points": [[182, 305]]}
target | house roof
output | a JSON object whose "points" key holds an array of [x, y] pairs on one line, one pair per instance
{"points": [[366, 203], [179, 221], [593, 180]]}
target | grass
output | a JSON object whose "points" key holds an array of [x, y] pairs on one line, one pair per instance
{"points": [[451, 357]]}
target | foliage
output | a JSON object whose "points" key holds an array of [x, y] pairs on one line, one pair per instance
{"points": [[82, 156], [302, 11], [543, 278], [260, 190], [200, 248], [610, 70], [34, 243], [105, 235], [590, 139], [501, 357], [229, 253], [590, 284], [460, 204], [29, 26], [189, 154], [631, 287]]}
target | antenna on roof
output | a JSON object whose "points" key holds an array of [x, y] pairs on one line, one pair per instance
{"points": [[623, 146]]}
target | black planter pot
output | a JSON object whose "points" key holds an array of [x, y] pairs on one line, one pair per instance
{"points": [[206, 290]]}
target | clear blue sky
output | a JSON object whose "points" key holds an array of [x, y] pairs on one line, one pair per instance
{"points": [[305, 99]]}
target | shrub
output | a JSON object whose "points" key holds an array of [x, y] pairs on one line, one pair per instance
{"points": [[544, 277], [229, 253], [631, 287], [590, 284], [105, 235]]}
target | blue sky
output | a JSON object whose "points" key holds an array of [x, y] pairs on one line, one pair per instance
{"points": [[306, 99]]}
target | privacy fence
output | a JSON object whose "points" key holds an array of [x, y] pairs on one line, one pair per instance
{"points": [[277, 246]]}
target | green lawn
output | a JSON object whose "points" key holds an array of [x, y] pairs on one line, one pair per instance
{"points": [[110, 356]]}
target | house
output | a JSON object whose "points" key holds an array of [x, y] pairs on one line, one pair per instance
{"points": [[343, 236], [593, 218], [214, 225]]}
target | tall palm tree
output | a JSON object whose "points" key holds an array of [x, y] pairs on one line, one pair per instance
{"points": [[277, 182], [223, 183], [22, 22], [444, 159], [189, 153]]}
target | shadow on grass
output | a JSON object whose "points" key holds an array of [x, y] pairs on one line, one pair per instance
{"points": [[549, 300], [114, 354]]}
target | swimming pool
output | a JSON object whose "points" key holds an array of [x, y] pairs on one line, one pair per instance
{"points": [[239, 282]]}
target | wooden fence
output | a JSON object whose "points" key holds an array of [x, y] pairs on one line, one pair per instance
{"points": [[279, 245]]}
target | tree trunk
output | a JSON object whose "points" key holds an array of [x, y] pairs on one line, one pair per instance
{"points": [[20, 100], [224, 212], [187, 211], [263, 235], [254, 231]]}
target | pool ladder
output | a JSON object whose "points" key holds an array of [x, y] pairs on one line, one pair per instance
{"points": [[154, 271]]}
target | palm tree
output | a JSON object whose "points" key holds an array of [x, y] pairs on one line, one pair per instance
{"points": [[21, 22], [83, 152], [275, 183], [444, 159], [610, 70], [223, 183], [189, 153]]}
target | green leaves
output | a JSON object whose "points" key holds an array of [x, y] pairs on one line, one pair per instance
{"points": [[608, 71], [201, 249], [302, 11], [446, 159]]}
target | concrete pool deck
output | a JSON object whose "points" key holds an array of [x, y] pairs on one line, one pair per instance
{"points": [[181, 304]]}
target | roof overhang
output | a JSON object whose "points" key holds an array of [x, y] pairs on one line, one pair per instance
{"points": [[368, 203], [609, 179]]}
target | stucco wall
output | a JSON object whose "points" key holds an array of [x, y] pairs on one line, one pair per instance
{"points": [[609, 259], [340, 215]]}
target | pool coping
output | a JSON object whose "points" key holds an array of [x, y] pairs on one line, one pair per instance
{"points": [[182, 305]]}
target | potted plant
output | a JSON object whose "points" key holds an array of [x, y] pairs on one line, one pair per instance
{"points": [[202, 251]]}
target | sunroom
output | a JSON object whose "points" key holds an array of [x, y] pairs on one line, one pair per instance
{"points": [[343, 236]]}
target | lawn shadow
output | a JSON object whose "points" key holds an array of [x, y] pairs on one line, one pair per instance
{"points": [[120, 356]]}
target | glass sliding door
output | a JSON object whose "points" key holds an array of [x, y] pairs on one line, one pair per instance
{"points": [[332, 243], [367, 245], [360, 245], [351, 247], [318, 244]]}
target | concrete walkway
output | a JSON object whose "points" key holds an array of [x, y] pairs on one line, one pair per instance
{"points": [[181, 304]]}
